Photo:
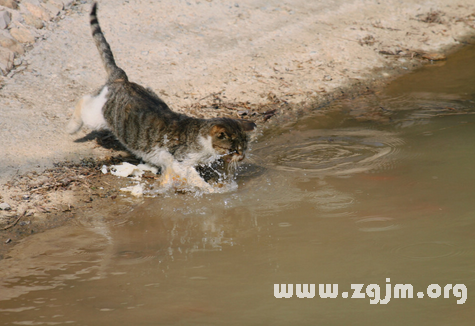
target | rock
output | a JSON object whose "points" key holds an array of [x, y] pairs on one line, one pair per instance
{"points": [[17, 62], [5, 19], [6, 61], [16, 17], [327, 78], [37, 11], [33, 21], [52, 9], [33, 2], [12, 4], [11, 44], [5, 207], [434, 56], [57, 3], [67, 3], [22, 35]]}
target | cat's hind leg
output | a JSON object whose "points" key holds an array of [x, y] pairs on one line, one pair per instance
{"points": [[88, 111], [76, 123]]}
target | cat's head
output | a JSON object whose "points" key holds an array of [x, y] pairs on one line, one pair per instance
{"points": [[229, 138]]}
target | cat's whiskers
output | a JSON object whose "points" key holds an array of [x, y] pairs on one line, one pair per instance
{"points": [[233, 166]]}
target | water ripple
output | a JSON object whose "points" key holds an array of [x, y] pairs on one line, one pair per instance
{"points": [[337, 152], [376, 224]]}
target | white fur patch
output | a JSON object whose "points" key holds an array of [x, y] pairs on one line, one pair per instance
{"points": [[205, 156], [91, 113], [159, 157]]}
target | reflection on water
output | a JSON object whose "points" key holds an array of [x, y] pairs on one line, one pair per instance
{"points": [[341, 198]]}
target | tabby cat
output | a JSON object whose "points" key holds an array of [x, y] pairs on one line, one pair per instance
{"points": [[148, 128]]}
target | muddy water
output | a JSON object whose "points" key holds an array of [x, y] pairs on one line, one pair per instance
{"points": [[338, 197]]}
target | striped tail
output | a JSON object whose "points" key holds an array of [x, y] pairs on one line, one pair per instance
{"points": [[113, 71]]}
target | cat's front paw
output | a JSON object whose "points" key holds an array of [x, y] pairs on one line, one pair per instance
{"points": [[184, 179]]}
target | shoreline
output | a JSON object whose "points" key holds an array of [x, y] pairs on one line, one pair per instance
{"points": [[270, 62]]}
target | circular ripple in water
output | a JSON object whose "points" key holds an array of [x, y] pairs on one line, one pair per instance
{"points": [[341, 152], [376, 224]]}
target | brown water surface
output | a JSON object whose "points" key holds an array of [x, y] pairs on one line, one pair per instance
{"points": [[334, 198]]}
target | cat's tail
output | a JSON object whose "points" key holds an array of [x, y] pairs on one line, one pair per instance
{"points": [[113, 71]]}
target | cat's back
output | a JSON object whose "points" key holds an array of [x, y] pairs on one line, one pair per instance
{"points": [[133, 112], [143, 99], [126, 98]]}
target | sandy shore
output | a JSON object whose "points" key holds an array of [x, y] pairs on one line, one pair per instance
{"points": [[210, 58]]}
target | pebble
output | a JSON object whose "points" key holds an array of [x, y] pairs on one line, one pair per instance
{"points": [[33, 21], [54, 10], [36, 10], [5, 207], [5, 19], [11, 44], [327, 78], [12, 4], [434, 56], [57, 3], [6, 61], [67, 3], [22, 35]]}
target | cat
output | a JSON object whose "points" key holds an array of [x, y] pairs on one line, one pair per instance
{"points": [[149, 129]]}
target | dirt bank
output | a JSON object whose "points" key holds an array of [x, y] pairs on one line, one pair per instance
{"points": [[253, 59]]}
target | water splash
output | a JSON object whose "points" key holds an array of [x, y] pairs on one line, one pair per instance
{"points": [[176, 178]]}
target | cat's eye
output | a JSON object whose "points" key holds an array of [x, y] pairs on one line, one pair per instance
{"points": [[222, 135]]}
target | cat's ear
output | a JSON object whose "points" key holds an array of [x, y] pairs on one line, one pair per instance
{"points": [[247, 125]]}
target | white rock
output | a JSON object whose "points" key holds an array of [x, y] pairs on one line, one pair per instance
{"points": [[6, 61], [136, 171], [16, 17], [5, 19], [136, 190], [5, 207]]}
